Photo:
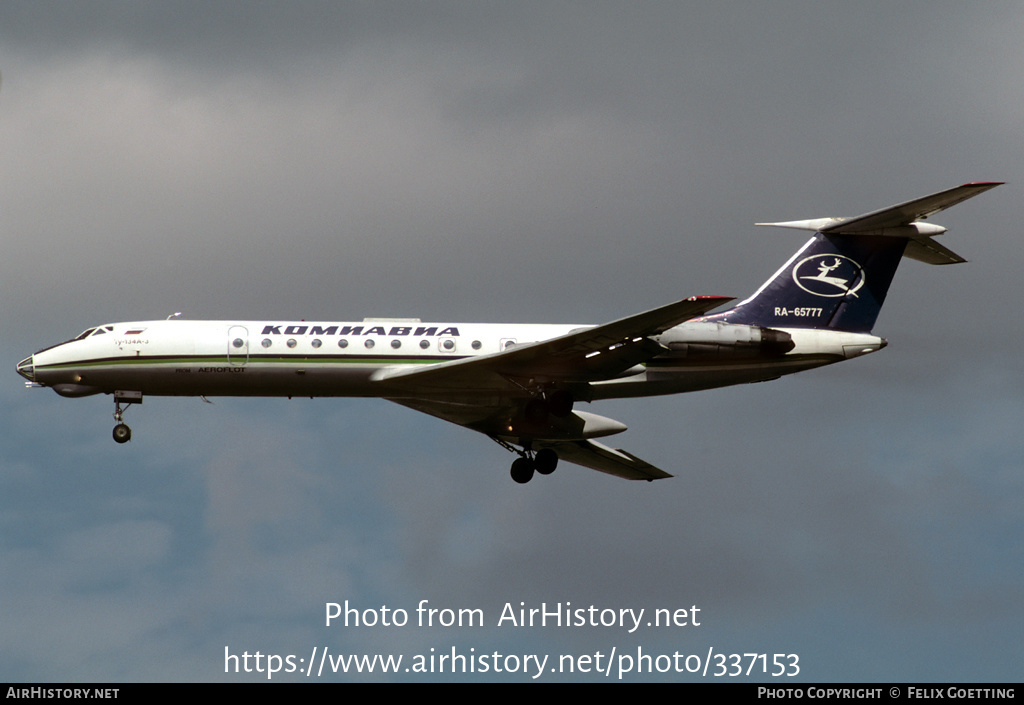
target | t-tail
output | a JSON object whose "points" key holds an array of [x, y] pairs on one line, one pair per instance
{"points": [[839, 279]]}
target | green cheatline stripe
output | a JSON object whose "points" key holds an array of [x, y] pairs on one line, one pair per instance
{"points": [[253, 359]]}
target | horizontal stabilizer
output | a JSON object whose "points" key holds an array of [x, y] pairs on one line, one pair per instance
{"points": [[876, 222], [927, 250], [902, 221]]}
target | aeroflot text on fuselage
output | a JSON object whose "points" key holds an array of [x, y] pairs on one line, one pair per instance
{"points": [[357, 330]]}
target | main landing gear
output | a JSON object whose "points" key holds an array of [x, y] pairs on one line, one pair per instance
{"points": [[543, 461], [546, 406], [122, 433]]}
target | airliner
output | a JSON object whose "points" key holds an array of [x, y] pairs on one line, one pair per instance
{"points": [[521, 385]]}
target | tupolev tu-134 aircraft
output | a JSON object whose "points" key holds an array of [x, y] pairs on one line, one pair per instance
{"points": [[521, 385]]}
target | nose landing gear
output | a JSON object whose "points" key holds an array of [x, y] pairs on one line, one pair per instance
{"points": [[122, 433]]}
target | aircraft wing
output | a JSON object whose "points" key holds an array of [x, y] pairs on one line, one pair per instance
{"points": [[482, 392], [582, 355], [488, 418]]}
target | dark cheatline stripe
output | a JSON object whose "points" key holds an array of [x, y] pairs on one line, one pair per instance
{"points": [[274, 359]]}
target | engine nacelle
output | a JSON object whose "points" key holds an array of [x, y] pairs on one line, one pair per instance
{"points": [[711, 339]]}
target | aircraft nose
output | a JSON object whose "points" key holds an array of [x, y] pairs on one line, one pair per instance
{"points": [[26, 368]]}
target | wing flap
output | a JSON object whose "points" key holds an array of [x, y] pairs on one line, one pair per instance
{"points": [[613, 461]]}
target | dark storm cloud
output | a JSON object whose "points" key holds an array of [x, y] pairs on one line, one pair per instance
{"points": [[424, 128], [238, 34]]}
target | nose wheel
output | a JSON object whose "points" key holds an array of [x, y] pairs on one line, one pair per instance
{"points": [[122, 433]]}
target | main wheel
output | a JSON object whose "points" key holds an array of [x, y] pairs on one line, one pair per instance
{"points": [[546, 461], [522, 470], [122, 434]]}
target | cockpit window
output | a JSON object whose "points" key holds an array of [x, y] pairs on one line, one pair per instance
{"points": [[81, 336]]}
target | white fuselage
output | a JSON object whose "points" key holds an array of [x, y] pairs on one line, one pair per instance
{"points": [[302, 358]]}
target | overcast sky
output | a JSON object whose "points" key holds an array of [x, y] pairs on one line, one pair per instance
{"points": [[525, 162]]}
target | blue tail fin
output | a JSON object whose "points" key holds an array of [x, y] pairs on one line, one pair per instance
{"points": [[839, 279], [834, 282]]}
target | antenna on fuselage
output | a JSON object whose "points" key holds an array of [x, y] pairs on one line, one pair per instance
{"points": [[174, 315]]}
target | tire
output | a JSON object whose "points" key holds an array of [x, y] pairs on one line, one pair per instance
{"points": [[122, 434], [546, 461], [522, 470]]}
